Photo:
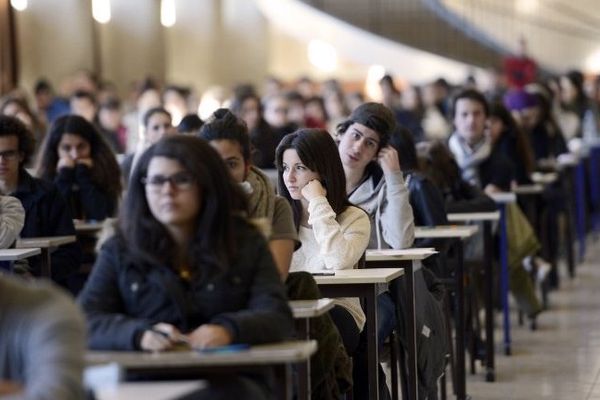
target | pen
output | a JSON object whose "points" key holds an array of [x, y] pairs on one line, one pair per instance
{"points": [[177, 339]]}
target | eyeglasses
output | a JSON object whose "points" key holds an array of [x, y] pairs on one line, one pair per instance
{"points": [[180, 181], [9, 155]]}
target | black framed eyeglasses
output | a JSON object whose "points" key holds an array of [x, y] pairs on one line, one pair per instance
{"points": [[180, 181]]}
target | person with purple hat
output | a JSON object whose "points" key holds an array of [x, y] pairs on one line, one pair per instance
{"points": [[532, 109]]}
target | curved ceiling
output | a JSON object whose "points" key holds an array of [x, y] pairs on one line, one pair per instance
{"points": [[561, 34], [414, 23]]}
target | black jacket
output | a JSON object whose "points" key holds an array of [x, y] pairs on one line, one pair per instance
{"points": [[547, 145], [497, 170], [86, 199], [47, 214], [122, 298], [428, 210], [507, 145], [462, 197], [264, 142]]}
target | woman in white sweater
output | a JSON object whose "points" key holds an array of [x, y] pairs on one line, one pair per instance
{"points": [[334, 234]]}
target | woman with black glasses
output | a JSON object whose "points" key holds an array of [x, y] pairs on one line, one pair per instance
{"points": [[183, 266]]}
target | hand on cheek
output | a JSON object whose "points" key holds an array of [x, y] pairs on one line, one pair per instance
{"points": [[88, 162], [65, 162], [313, 189]]}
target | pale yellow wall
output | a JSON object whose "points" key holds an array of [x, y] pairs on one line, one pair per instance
{"points": [[54, 39], [190, 43], [288, 59], [214, 42], [132, 44]]}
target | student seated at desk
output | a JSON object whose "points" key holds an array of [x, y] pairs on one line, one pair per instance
{"points": [[493, 172], [157, 123], [334, 234], [532, 109], [46, 212], [183, 262], [425, 198], [508, 138], [459, 196], [428, 209], [81, 164], [330, 366], [12, 217], [375, 183], [246, 104], [42, 340], [228, 134]]}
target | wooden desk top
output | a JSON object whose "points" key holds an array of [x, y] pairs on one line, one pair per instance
{"points": [[504, 197], [445, 231], [44, 242], [18, 254], [544, 178], [148, 390], [476, 216], [536, 188], [310, 308], [412, 254], [567, 160], [278, 353], [358, 276], [88, 226]]}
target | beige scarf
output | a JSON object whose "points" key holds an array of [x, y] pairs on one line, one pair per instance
{"points": [[261, 199]]}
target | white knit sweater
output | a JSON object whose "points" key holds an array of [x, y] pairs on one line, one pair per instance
{"points": [[333, 243]]}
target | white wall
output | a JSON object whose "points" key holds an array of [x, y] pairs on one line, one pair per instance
{"points": [[54, 40]]}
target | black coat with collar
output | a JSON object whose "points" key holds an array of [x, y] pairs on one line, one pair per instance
{"points": [[86, 199], [123, 298], [47, 214], [428, 210]]}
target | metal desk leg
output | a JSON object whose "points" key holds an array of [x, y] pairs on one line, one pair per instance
{"points": [[304, 389], [46, 270], [580, 209], [490, 374], [595, 186], [283, 387], [372, 345], [411, 331], [504, 279], [461, 389]]}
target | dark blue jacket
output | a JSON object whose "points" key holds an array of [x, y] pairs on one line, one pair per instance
{"points": [[497, 170], [47, 214], [428, 210], [122, 298], [545, 144], [86, 200]]}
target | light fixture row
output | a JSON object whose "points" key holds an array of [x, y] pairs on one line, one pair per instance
{"points": [[102, 14]]}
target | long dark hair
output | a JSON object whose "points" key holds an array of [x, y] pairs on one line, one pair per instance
{"points": [[105, 172], [214, 240], [438, 163], [318, 152], [511, 129]]}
